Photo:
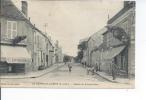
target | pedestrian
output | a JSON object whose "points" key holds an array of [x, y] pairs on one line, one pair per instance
{"points": [[113, 69], [69, 67], [85, 64], [88, 69], [99, 64], [96, 68], [92, 70]]}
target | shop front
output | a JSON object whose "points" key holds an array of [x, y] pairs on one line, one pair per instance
{"points": [[14, 59], [120, 57]]}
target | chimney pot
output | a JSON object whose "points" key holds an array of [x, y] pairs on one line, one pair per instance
{"points": [[24, 7]]}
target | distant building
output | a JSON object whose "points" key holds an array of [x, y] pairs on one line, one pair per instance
{"points": [[58, 56]]}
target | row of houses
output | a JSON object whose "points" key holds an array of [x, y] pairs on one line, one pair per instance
{"points": [[113, 43], [24, 48]]}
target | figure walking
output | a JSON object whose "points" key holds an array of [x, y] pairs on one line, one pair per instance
{"points": [[69, 67], [88, 69]]}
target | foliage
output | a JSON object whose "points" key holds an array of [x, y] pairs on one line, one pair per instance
{"points": [[119, 33], [82, 46], [79, 56], [18, 39], [67, 58]]}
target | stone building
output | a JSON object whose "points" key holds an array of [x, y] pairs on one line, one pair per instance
{"points": [[18, 41], [120, 41]]}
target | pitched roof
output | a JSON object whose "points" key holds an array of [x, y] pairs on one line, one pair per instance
{"points": [[8, 9], [122, 11], [83, 40]]}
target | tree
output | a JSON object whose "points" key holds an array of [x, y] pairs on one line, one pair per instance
{"points": [[67, 58], [82, 46], [79, 56]]}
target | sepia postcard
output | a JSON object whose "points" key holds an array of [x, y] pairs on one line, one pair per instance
{"points": [[86, 44]]}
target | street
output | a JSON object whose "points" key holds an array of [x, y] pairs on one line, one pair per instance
{"points": [[60, 77]]}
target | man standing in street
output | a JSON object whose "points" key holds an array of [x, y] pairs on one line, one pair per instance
{"points": [[113, 69]]}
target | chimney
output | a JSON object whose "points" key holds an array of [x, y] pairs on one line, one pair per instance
{"points": [[129, 4], [126, 3], [24, 7]]}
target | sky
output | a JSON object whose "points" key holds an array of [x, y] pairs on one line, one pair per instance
{"points": [[70, 21]]}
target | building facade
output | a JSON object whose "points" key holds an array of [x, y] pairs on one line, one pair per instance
{"points": [[24, 48], [121, 39], [92, 44], [43, 48], [114, 43]]}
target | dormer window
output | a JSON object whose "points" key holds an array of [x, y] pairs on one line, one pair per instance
{"points": [[11, 29]]}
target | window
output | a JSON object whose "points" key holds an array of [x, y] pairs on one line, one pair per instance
{"points": [[11, 29], [109, 39], [125, 26]]}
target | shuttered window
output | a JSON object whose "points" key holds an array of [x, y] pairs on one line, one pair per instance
{"points": [[11, 29]]}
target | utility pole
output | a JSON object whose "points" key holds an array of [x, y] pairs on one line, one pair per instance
{"points": [[45, 26]]}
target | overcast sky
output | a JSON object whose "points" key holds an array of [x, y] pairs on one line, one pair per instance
{"points": [[70, 21]]}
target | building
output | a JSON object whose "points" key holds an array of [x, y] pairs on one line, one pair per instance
{"points": [[120, 41], [24, 48], [114, 43], [43, 50], [93, 43], [58, 55], [89, 47]]}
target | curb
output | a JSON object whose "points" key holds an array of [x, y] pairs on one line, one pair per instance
{"points": [[33, 76], [113, 81]]}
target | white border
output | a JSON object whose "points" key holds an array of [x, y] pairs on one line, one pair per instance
{"points": [[139, 93]]}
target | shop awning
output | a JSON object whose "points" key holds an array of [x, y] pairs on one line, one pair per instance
{"points": [[15, 54], [112, 52]]}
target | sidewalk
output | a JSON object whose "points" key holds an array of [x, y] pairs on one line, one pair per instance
{"points": [[32, 74], [117, 80]]}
